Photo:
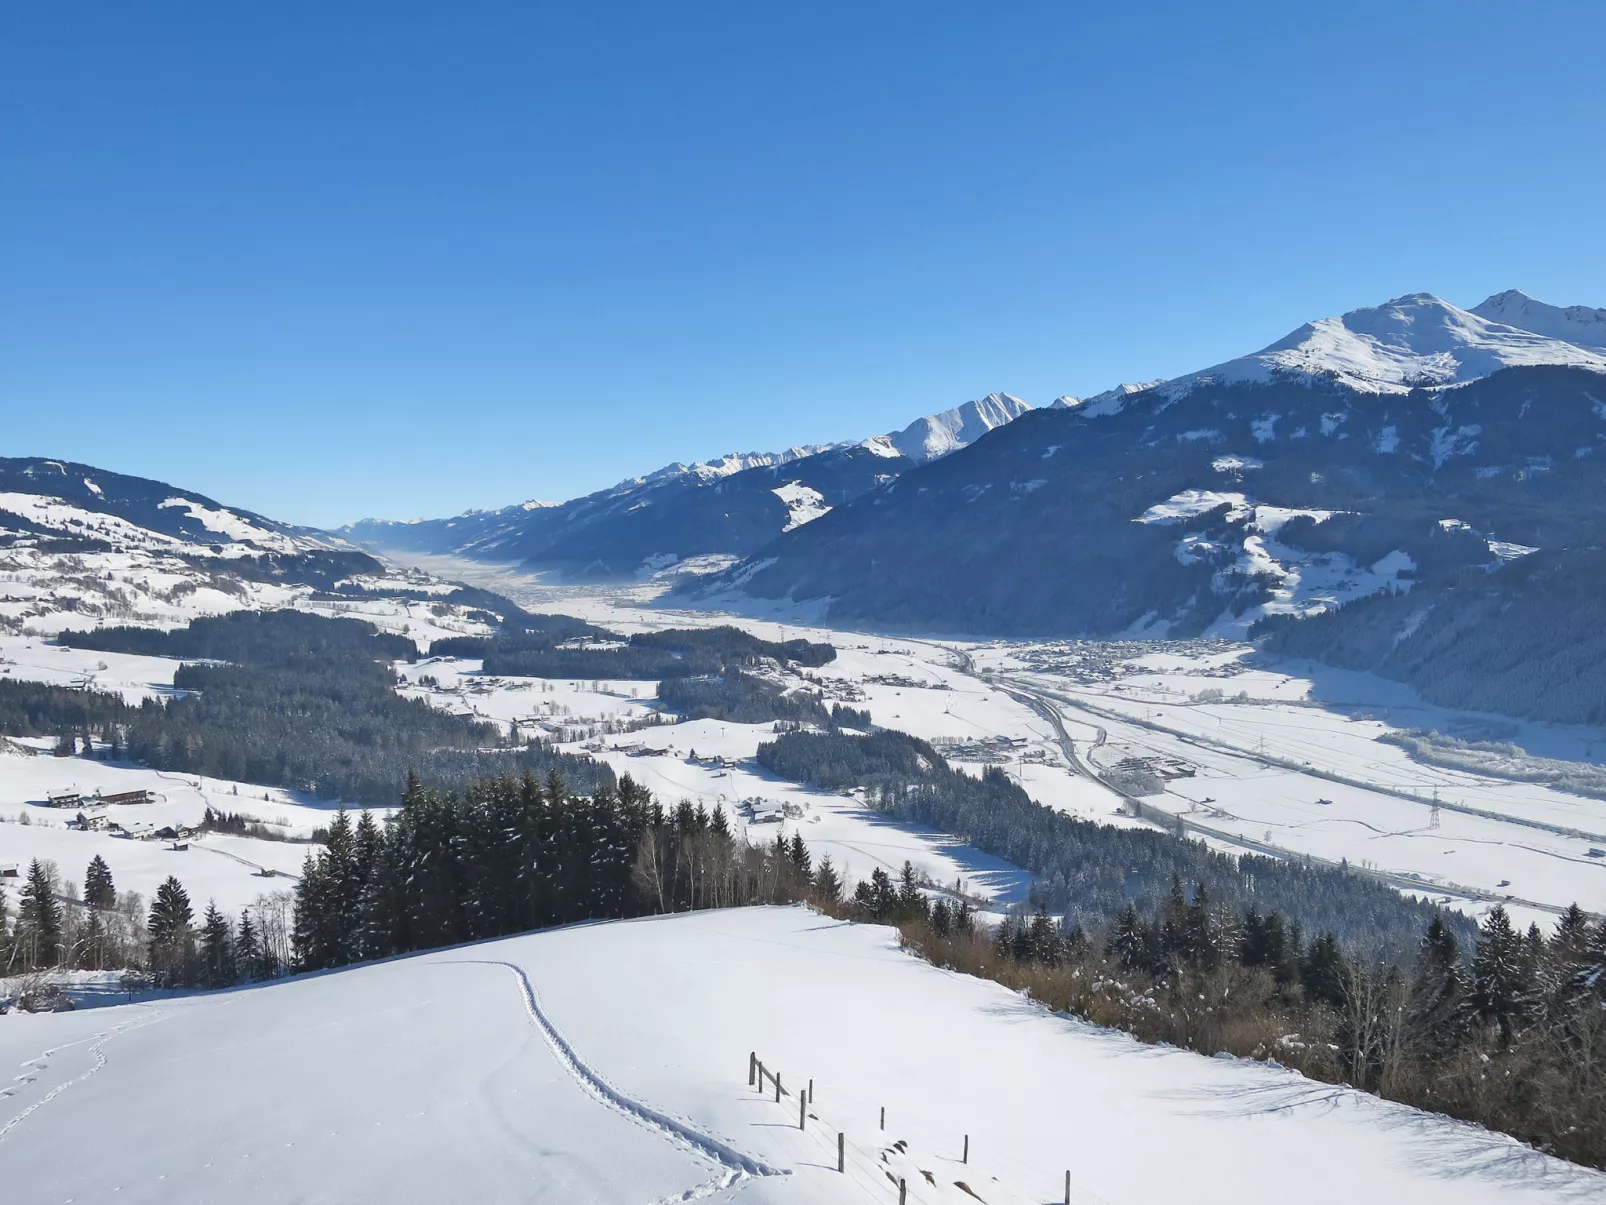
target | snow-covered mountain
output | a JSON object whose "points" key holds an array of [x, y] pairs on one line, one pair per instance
{"points": [[1576, 324], [693, 517], [726, 465], [939, 434], [1387, 453], [1420, 340]]}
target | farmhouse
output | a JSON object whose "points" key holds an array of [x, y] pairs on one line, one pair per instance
{"points": [[129, 797], [67, 797]]}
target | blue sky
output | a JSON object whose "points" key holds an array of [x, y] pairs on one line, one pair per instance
{"points": [[325, 261]]}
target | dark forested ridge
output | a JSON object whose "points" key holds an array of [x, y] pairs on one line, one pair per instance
{"points": [[1030, 531], [677, 653], [1092, 872]]}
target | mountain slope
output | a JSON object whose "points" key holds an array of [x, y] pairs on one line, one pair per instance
{"points": [[686, 517], [526, 1069], [81, 547], [1207, 511]]}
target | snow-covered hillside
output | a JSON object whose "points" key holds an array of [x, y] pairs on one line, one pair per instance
{"points": [[609, 1062], [81, 547]]}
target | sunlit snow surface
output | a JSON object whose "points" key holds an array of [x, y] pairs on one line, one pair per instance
{"points": [[608, 1063]]}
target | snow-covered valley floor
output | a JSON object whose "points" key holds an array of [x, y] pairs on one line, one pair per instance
{"points": [[608, 1063], [1281, 758], [1287, 760]]}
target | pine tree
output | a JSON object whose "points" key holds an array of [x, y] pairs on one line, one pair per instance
{"points": [[311, 898], [911, 901], [218, 967], [248, 948], [39, 918], [1044, 940], [799, 854], [827, 883], [99, 891], [1502, 975], [1435, 1016], [1129, 942], [883, 896], [1323, 972], [172, 940]]}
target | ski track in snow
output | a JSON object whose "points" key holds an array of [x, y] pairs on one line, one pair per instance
{"points": [[735, 1166], [38, 1064]]}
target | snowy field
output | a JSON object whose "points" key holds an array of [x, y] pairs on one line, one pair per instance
{"points": [[608, 1062], [221, 867]]}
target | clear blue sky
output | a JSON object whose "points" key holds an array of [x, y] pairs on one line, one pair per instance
{"points": [[330, 260]]}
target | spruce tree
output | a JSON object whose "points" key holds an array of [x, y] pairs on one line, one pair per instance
{"points": [[911, 901], [99, 891], [827, 883], [248, 948], [1323, 972], [218, 967], [39, 918], [1129, 941], [171, 939], [799, 854], [1045, 941], [1435, 1016], [1502, 974]]}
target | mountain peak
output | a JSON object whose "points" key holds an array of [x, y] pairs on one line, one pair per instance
{"points": [[1580, 325], [938, 434], [1421, 340]]}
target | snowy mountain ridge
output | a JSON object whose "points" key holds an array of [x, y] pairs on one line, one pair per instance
{"points": [[1417, 341], [939, 434]]}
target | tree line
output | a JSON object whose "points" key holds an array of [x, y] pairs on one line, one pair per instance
{"points": [[285, 699], [509, 855], [1090, 871], [677, 653], [52, 928], [1508, 1030]]}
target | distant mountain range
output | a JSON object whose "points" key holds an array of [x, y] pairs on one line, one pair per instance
{"points": [[1412, 488], [1392, 471], [691, 518]]}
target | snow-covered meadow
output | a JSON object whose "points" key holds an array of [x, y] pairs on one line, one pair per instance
{"points": [[609, 1062]]}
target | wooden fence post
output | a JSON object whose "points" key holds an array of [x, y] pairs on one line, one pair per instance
{"points": [[883, 1117], [903, 1192], [761, 1075], [1067, 1188], [811, 1090], [841, 1151], [752, 1062], [965, 1158], [777, 1087]]}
